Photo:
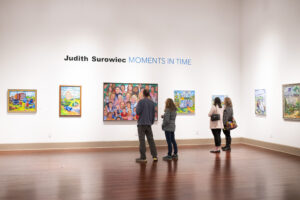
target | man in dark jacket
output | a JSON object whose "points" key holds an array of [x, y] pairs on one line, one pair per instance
{"points": [[146, 111]]}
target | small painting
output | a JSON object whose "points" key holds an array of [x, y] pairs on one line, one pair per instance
{"points": [[185, 101], [260, 102], [70, 101], [291, 101], [120, 100], [22, 101]]}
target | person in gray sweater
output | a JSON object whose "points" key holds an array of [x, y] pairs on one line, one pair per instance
{"points": [[227, 116], [146, 111], [169, 126]]}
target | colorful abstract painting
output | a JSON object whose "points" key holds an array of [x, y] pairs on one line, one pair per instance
{"points": [[185, 101], [260, 102], [22, 101], [222, 97], [70, 101], [291, 101], [120, 100]]}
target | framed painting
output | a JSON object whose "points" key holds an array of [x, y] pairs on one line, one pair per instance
{"points": [[291, 101], [185, 101], [70, 101], [260, 102], [120, 100], [222, 97], [21, 101]]}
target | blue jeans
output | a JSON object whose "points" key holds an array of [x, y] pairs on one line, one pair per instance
{"points": [[170, 137]]}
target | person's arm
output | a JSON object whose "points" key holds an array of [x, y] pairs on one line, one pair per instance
{"points": [[212, 110], [166, 118], [225, 116], [139, 108], [153, 114]]}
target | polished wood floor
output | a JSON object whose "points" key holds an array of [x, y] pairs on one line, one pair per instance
{"points": [[244, 173]]}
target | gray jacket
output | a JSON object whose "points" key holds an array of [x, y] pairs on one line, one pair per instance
{"points": [[169, 121], [146, 111], [227, 115]]}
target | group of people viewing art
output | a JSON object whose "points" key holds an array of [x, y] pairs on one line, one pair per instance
{"points": [[220, 116]]}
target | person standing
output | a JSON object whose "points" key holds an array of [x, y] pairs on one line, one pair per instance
{"points": [[227, 116], [146, 111], [169, 126], [216, 125]]}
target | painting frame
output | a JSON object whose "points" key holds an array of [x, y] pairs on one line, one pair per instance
{"points": [[134, 84], [20, 90], [60, 101], [260, 102], [186, 109], [283, 102]]}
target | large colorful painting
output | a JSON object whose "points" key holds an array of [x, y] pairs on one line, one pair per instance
{"points": [[69, 101], [291, 101], [260, 102], [22, 101], [120, 100], [185, 101], [222, 97]]}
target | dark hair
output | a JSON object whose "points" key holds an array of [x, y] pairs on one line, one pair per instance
{"points": [[146, 93], [170, 105], [217, 101]]}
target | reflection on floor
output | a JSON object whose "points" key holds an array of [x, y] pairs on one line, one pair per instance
{"points": [[244, 173]]}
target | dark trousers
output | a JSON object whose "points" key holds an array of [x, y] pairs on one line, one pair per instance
{"points": [[228, 137], [170, 137], [146, 130], [217, 136]]}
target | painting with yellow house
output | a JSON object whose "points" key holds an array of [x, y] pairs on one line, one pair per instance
{"points": [[185, 101]]}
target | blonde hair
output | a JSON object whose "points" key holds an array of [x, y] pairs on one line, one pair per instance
{"points": [[227, 102]]}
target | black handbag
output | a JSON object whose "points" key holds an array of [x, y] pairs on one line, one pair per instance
{"points": [[215, 117]]}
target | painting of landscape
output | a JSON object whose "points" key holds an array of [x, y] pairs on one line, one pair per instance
{"points": [[291, 101], [22, 101], [260, 102], [185, 101], [70, 101], [222, 97]]}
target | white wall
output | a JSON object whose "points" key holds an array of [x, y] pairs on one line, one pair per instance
{"points": [[36, 35], [270, 58]]}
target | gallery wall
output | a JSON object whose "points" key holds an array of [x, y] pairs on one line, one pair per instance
{"points": [[37, 35], [270, 58]]}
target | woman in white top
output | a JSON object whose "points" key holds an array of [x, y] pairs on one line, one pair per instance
{"points": [[217, 125]]}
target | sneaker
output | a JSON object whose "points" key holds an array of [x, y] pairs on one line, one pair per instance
{"points": [[155, 159], [140, 160], [175, 157], [166, 158], [227, 149], [215, 151]]}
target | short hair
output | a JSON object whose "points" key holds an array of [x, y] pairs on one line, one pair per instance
{"points": [[146, 93]]}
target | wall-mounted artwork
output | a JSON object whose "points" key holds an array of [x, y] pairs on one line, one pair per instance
{"points": [[185, 101], [120, 100], [222, 97], [69, 101], [22, 101], [291, 101], [260, 102]]}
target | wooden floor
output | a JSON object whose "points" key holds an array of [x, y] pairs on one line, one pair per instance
{"points": [[245, 173]]}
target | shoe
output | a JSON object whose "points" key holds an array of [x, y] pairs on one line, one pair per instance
{"points": [[215, 151], [224, 148], [140, 160], [155, 159], [175, 156], [227, 149], [167, 158]]}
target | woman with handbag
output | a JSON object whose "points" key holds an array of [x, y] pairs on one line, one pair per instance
{"points": [[227, 119], [216, 123], [169, 127]]}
